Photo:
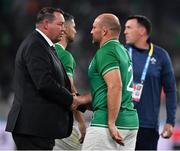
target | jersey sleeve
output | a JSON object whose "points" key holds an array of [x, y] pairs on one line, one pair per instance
{"points": [[66, 59], [106, 61], [69, 64]]}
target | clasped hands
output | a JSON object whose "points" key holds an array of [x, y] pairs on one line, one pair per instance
{"points": [[77, 100]]}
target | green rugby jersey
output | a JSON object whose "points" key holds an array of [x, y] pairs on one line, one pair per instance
{"points": [[112, 55], [66, 59]]}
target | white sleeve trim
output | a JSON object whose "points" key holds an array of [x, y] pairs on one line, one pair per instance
{"points": [[115, 67], [69, 74]]}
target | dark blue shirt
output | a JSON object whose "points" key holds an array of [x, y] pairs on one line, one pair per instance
{"points": [[160, 74]]}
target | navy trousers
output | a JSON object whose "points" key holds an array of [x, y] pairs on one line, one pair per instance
{"points": [[147, 139]]}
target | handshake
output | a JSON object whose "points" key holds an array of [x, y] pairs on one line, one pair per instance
{"points": [[82, 100]]}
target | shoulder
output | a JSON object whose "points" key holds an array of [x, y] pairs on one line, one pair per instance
{"points": [[62, 52], [111, 50], [159, 49], [33, 43], [58, 48], [68, 54], [107, 49], [161, 52], [103, 54], [127, 46], [34, 39]]}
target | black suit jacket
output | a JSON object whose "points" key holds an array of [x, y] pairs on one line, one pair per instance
{"points": [[42, 99]]}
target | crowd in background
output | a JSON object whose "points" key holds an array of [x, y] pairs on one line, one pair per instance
{"points": [[18, 17]]}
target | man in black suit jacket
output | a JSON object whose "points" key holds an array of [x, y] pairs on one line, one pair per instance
{"points": [[41, 110]]}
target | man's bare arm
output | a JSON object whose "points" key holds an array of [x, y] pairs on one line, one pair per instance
{"points": [[114, 95]]}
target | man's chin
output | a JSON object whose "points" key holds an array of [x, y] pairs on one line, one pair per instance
{"points": [[59, 38], [128, 42], [96, 43], [56, 40]]}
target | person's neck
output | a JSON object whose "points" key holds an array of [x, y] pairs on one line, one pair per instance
{"points": [[106, 39], [63, 42], [142, 44]]}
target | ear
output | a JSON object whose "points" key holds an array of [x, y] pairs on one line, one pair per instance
{"points": [[66, 29], [46, 24], [104, 30], [142, 31]]}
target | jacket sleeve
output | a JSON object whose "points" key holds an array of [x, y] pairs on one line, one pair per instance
{"points": [[169, 86]]}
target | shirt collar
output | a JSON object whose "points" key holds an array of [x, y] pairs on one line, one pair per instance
{"points": [[45, 37]]}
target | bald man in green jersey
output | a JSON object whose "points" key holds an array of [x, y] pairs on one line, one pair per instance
{"points": [[115, 122], [74, 141]]}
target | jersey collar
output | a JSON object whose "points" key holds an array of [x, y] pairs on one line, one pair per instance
{"points": [[111, 40], [60, 45]]}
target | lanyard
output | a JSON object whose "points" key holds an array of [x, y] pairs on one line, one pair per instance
{"points": [[143, 76]]}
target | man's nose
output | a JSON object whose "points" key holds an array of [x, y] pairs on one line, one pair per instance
{"points": [[91, 32], [63, 28]]}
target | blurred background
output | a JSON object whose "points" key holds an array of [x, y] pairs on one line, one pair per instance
{"points": [[18, 19]]}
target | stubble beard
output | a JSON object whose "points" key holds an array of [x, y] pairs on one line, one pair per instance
{"points": [[95, 42]]}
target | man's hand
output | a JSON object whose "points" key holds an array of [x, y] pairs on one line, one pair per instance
{"points": [[167, 131], [115, 134], [81, 124], [80, 100], [75, 103], [82, 129]]}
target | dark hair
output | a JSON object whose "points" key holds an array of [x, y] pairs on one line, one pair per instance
{"points": [[144, 21], [47, 13], [68, 17]]}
